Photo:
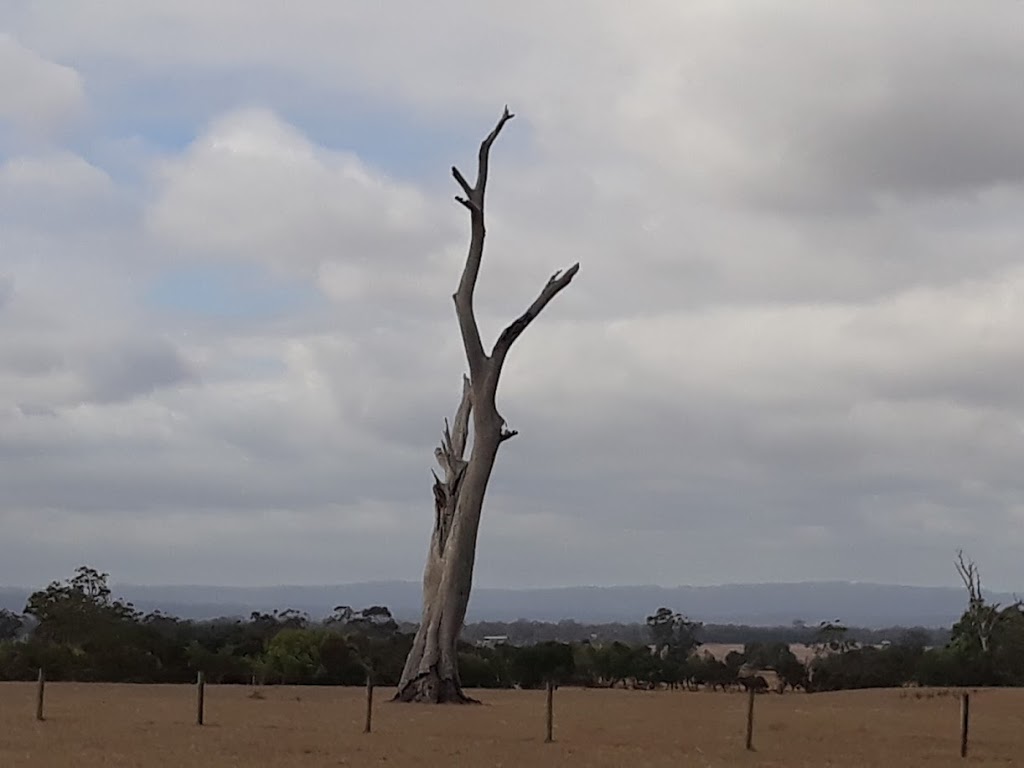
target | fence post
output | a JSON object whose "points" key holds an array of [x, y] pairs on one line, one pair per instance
{"points": [[750, 720], [40, 687], [550, 737], [965, 719], [200, 696], [369, 703]]}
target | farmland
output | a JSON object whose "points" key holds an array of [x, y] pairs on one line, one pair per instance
{"points": [[146, 725]]}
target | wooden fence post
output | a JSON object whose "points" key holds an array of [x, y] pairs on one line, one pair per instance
{"points": [[750, 720], [200, 697], [550, 737], [369, 703], [40, 687], [965, 719]]}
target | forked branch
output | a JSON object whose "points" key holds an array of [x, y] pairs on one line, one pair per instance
{"points": [[481, 366], [983, 618], [970, 576], [474, 202]]}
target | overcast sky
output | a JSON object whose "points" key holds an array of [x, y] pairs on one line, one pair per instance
{"points": [[794, 350]]}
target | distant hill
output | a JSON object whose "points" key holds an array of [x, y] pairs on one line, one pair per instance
{"points": [[856, 604]]}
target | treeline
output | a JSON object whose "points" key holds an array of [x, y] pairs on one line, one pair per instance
{"points": [[76, 630], [525, 632]]}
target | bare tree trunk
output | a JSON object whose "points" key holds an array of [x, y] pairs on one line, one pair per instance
{"points": [[431, 671], [983, 617]]}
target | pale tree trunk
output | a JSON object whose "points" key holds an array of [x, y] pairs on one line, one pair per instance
{"points": [[431, 671], [983, 617], [982, 620]]}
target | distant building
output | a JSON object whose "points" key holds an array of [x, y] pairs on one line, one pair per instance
{"points": [[490, 641]]}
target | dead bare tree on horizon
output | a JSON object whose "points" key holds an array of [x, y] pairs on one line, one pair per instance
{"points": [[983, 617], [431, 669]]}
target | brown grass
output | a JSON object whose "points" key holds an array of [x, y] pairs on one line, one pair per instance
{"points": [[145, 725]]}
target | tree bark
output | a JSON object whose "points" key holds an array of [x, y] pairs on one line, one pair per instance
{"points": [[431, 671]]}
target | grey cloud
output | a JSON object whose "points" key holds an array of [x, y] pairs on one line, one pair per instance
{"points": [[137, 367], [54, 192], [30, 410], [37, 96], [790, 352], [864, 97], [28, 359]]}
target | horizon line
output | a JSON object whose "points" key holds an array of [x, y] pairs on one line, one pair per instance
{"points": [[561, 587]]}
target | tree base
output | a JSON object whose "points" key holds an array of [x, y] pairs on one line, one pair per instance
{"points": [[432, 689]]}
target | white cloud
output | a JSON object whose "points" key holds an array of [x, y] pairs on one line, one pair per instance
{"points": [[352, 229], [56, 191]]}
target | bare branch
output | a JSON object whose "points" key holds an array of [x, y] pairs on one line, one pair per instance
{"points": [[462, 419], [983, 617], [555, 284], [469, 205], [453, 442], [968, 571], [485, 149], [474, 202], [446, 443], [449, 457], [507, 434], [462, 182]]}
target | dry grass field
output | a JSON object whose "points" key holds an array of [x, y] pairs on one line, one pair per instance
{"points": [[145, 725]]}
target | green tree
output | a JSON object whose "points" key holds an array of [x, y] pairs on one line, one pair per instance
{"points": [[585, 663], [339, 662], [1007, 648], [340, 618], [10, 624], [703, 669], [371, 634], [777, 657], [915, 639], [222, 665], [375, 621], [293, 656], [832, 637], [537, 664], [614, 663], [485, 667], [102, 635], [73, 611], [673, 631]]}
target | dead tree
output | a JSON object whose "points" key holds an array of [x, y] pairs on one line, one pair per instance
{"points": [[982, 617], [431, 670]]}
